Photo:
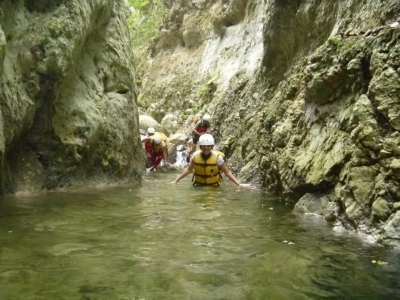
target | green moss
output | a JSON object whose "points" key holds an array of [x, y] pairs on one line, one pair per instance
{"points": [[335, 40], [143, 102]]}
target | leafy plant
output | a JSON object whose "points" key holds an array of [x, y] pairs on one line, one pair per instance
{"points": [[145, 19], [139, 4], [183, 116], [202, 90], [207, 88]]}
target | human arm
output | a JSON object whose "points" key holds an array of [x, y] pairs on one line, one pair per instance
{"points": [[224, 168], [165, 153], [194, 129], [201, 127], [144, 139], [185, 172]]}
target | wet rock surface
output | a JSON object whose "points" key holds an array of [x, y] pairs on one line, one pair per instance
{"points": [[68, 105]]}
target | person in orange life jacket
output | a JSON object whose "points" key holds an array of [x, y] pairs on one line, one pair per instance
{"points": [[158, 150], [204, 162], [201, 127]]}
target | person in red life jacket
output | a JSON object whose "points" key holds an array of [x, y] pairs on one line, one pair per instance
{"points": [[147, 146], [201, 127], [207, 164], [159, 150]]}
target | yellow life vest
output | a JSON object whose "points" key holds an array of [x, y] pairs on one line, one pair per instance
{"points": [[157, 147], [206, 172]]}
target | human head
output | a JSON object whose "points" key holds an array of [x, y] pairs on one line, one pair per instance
{"points": [[206, 140], [157, 139], [206, 117], [150, 130]]}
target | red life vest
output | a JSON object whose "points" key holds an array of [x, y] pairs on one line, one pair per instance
{"points": [[203, 126], [147, 146]]}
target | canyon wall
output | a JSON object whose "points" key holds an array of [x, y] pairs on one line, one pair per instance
{"points": [[304, 97], [68, 114]]}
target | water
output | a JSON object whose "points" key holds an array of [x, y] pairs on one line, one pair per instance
{"points": [[180, 160], [162, 241]]}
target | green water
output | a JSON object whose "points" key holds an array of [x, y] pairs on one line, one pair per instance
{"points": [[161, 241]]}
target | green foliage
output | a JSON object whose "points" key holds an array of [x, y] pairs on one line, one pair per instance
{"points": [[206, 89], [145, 20], [169, 101], [202, 90], [183, 116], [139, 4], [335, 40], [228, 144]]}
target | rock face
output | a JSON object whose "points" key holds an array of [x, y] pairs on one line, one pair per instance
{"points": [[68, 114], [306, 93]]}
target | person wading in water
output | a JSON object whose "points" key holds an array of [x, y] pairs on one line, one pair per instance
{"points": [[207, 165], [158, 147], [201, 126]]}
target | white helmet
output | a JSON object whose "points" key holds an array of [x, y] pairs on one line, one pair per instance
{"points": [[206, 117], [157, 139], [151, 130], [206, 140]]}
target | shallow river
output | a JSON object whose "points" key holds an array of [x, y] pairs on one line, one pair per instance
{"points": [[161, 241]]}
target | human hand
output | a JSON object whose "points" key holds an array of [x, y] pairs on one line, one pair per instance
{"points": [[247, 185]]}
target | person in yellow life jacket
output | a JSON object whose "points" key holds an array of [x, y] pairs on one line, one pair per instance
{"points": [[207, 165], [159, 150]]}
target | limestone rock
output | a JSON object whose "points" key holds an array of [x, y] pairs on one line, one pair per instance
{"points": [[68, 110], [307, 98]]}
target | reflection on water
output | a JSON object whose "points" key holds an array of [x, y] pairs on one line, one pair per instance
{"points": [[162, 241]]}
